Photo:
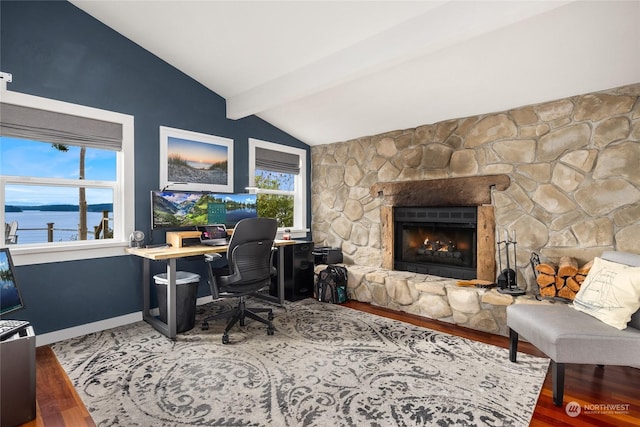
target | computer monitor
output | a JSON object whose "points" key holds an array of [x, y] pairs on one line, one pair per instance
{"points": [[187, 210], [10, 298]]}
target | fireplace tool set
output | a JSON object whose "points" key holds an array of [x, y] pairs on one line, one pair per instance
{"points": [[507, 279]]}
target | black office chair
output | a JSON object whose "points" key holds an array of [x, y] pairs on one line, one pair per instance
{"points": [[250, 258]]}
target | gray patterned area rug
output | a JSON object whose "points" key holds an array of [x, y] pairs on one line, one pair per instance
{"points": [[326, 365]]}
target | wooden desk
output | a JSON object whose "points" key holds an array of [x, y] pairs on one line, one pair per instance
{"points": [[170, 255]]}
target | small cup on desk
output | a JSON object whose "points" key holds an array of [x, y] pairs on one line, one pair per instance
{"points": [[287, 234]]}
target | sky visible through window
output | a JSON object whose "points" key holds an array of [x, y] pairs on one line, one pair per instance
{"points": [[19, 157]]}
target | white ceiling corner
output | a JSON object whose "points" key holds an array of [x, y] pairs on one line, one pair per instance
{"points": [[328, 71]]}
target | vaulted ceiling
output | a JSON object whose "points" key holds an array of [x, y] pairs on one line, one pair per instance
{"points": [[329, 71]]}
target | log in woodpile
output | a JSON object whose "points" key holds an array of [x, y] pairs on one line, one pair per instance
{"points": [[568, 267], [563, 280]]}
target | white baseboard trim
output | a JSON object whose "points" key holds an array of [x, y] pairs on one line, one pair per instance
{"points": [[204, 300], [89, 328]]}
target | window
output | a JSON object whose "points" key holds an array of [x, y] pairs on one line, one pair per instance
{"points": [[278, 174], [66, 179]]}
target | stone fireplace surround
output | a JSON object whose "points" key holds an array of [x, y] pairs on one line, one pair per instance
{"points": [[427, 295], [574, 190], [466, 191]]}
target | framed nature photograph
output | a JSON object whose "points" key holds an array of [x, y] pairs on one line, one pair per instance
{"points": [[192, 161]]}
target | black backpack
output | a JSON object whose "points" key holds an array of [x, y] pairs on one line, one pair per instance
{"points": [[331, 285]]}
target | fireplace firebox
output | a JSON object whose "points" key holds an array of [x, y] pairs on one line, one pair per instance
{"points": [[436, 240]]}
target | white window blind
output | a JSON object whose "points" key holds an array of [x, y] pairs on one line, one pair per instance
{"points": [[277, 161], [49, 126]]}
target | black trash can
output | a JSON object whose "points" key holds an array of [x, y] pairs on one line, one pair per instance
{"points": [[186, 295]]}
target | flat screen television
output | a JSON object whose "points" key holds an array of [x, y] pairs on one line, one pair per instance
{"points": [[10, 298], [186, 210]]}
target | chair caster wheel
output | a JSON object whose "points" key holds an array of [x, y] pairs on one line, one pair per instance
{"points": [[270, 331], [205, 327], [225, 339]]}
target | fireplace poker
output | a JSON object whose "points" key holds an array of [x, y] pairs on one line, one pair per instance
{"points": [[511, 281], [506, 246], [515, 255], [499, 252]]}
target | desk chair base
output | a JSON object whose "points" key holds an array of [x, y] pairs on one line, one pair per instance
{"points": [[240, 313]]}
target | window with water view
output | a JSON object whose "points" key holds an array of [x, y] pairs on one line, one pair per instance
{"points": [[56, 192]]}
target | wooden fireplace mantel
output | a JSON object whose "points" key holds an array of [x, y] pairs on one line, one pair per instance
{"points": [[465, 191]]}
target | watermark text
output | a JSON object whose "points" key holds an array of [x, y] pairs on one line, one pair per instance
{"points": [[573, 409]]}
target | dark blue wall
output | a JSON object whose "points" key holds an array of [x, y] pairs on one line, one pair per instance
{"points": [[55, 50]]}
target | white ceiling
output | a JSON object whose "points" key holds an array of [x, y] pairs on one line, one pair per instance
{"points": [[329, 71]]}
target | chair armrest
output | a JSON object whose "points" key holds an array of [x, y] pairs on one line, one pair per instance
{"points": [[213, 284], [211, 257]]}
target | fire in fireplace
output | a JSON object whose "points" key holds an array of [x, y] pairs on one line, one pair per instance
{"points": [[436, 240]]}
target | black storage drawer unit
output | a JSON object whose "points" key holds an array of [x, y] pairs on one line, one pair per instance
{"points": [[298, 271], [18, 378]]}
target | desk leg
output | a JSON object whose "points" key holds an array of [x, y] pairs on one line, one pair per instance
{"points": [[146, 293], [171, 298], [280, 276], [169, 328]]}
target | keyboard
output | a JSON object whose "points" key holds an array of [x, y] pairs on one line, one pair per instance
{"points": [[10, 327]]}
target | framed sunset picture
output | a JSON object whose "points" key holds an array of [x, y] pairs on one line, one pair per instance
{"points": [[194, 161]]}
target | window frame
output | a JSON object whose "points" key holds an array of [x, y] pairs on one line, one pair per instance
{"points": [[123, 189], [300, 227]]}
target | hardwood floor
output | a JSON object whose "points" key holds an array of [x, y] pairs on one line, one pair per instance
{"points": [[58, 404]]}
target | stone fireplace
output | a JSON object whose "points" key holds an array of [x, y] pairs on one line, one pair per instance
{"points": [[569, 186], [458, 203]]}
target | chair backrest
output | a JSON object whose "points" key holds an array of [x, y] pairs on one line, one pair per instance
{"points": [[250, 249]]}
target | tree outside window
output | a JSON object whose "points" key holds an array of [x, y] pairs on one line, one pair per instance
{"points": [[276, 206], [278, 174]]}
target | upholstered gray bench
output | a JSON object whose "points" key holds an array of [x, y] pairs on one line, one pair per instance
{"points": [[567, 335]]}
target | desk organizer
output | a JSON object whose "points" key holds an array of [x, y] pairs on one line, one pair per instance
{"points": [[180, 239]]}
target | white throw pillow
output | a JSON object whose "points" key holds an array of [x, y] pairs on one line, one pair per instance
{"points": [[610, 293]]}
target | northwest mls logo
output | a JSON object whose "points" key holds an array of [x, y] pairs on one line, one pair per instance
{"points": [[573, 409]]}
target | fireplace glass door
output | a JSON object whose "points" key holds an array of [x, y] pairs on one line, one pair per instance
{"points": [[441, 241]]}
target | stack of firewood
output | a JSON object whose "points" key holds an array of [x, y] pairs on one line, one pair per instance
{"points": [[562, 281]]}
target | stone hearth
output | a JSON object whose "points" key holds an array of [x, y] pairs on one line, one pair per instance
{"points": [[433, 297]]}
